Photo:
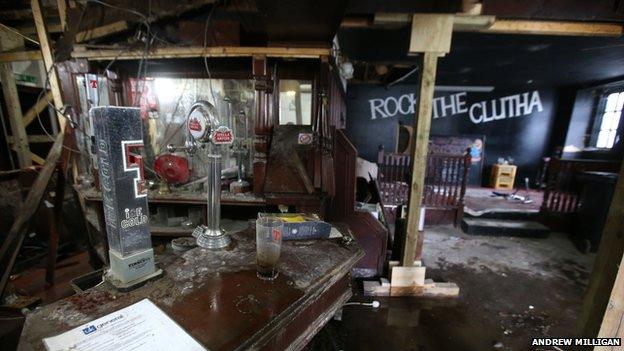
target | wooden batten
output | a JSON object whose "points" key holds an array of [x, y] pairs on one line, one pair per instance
{"points": [[188, 52], [431, 33], [102, 31], [48, 59], [31, 55], [419, 159]]}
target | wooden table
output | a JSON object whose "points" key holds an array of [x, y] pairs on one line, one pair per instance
{"points": [[217, 298]]}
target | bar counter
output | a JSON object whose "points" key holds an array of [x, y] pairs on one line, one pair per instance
{"points": [[217, 298]]}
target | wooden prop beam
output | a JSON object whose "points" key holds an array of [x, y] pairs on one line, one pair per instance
{"points": [[48, 59], [419, 160], [598, 304], [431, 38]]}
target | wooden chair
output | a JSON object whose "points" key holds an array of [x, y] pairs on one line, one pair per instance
{"points": [[563, 192], [445, 181]]}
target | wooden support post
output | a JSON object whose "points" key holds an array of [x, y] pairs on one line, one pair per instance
{"points": [[48, 59], [419, 160], [597, 306], [10, 41], [11, 98], [430, 37]]}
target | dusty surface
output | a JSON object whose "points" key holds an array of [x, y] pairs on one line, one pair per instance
{"points": [[203, 288], [480, 200], [512, 289]]}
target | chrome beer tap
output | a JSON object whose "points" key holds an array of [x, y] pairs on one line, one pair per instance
{"points": [[204, 128]]}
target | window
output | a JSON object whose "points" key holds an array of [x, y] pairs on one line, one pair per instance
{"points": [[605, 131], [295, 102]]}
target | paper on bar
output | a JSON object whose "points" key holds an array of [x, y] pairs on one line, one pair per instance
{"points": [[139, 327]]}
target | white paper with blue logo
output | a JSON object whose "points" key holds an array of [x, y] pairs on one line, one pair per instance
{"points": [[138, 327]]}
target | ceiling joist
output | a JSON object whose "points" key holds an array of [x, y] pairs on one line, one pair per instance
{"points": [[491, 24]]}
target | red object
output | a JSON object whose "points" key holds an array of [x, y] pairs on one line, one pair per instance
{"points": [[172, 169], [222, 135]]}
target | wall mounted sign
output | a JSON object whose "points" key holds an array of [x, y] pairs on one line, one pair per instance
{"points": [[515, 122], [516, 105]]}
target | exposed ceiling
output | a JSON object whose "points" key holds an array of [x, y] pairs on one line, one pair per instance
{"points": [[493, 59]]}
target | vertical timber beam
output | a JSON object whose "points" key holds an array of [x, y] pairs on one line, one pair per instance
{"points": [[605, 294], [9, 41], [419, 158], [430, 38], [48, 60], [11, 98], [62, 8]]}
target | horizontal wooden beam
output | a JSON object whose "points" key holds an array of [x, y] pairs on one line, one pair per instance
{"points": [[555, 28], [34, 157], [32, 55], [102, 31], [35, 139], [491, 24], [182, 52], [36, 109]]}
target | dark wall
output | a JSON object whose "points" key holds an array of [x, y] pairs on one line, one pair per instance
{"points": [[522, 131]]}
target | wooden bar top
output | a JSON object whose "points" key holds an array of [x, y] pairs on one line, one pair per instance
{"points": [[217, 298]]}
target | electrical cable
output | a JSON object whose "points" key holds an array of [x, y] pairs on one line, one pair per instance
{"points": [[373, 304], [11, 29], [208, 19]]}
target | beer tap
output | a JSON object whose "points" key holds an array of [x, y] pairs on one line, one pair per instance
{"points": [[204, 128]]}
